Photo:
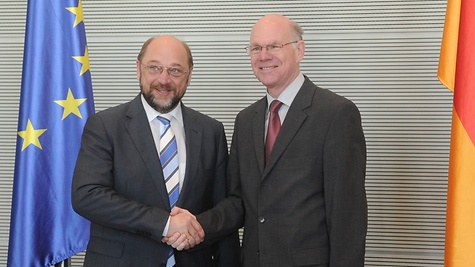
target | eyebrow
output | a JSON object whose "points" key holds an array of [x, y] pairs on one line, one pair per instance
{"points": [[273, 43], [157, 62]]}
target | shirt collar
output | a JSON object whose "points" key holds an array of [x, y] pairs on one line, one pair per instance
{"points": [[288, 95], [152, 113]]}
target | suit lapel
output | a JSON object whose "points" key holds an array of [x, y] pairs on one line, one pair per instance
{"points": [[292, 123], [135, 123], [258, 131], [193, 136]]}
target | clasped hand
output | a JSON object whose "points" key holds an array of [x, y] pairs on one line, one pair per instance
{"points": [[184, 231]]}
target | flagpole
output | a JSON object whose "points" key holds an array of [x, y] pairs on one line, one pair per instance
{"points": [[65, 263]]}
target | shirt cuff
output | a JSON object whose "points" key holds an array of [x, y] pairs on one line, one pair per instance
{"points": [[165, 230]]}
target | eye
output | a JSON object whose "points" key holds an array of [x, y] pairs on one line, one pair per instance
{"points": [[270, 47], [256, 48], [175, 70], [154, 68]]}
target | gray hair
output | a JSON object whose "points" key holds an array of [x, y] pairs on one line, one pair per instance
{"points": [[297, 31]]}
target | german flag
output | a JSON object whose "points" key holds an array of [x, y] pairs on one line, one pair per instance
{"points": [[457, 72]]}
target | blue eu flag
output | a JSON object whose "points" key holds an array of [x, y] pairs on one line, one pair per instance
{"points": [[56, 99]]}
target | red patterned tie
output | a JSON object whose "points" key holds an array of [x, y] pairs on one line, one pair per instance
{"points": [[273, 127]]}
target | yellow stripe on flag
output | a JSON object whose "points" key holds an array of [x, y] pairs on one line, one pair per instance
{"points": [[448, 50]]}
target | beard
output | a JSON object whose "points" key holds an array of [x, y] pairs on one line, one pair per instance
{"points": [[162, 108]]}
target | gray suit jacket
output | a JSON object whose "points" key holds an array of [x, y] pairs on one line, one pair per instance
{"points": [[118, 185], [307, 206]]}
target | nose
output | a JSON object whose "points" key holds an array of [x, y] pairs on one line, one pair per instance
{"points": [[164, 77], [264, 54]]}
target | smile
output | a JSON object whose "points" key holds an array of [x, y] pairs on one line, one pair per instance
{"points": [[268, 68]]}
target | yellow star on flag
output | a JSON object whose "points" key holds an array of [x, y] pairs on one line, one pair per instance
{"points": [[30, 136], [84, 60], [71, 105], [78, 12]]}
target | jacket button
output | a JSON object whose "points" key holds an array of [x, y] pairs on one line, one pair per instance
{"points": [[262, 219]]}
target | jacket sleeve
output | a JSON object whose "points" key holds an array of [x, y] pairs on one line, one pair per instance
{"points": [[228, 215], [344, 186]]}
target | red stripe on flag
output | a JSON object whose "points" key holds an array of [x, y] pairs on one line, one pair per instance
{"points": [[464, 93]]}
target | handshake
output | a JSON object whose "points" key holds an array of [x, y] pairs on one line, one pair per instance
{"points": [[184, 231]]}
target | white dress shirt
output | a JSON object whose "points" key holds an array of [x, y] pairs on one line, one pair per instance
{"points": [[286, 97]]}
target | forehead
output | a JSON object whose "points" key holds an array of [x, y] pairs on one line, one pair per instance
{"points": [[268, 31], [167, 51]]}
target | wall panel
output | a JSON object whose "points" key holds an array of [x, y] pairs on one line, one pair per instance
{"points": [[381, 54]]}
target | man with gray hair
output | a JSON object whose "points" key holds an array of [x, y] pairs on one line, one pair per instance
{"points": [[297, 164]]}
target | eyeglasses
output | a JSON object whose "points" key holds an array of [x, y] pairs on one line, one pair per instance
{"points": [[273, 48], [156, 70]]}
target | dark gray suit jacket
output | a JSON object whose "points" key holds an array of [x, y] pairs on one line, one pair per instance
{"points": [[307, 206], [118, 185]]}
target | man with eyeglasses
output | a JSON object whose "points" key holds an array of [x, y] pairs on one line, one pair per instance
{"points": [[140, 159], [297, 164]]}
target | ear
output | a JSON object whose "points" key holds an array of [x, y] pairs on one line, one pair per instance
{"points": [[188, 81], [300, 50], [138, 69]]}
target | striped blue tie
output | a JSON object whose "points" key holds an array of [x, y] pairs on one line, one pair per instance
{"points": [[169, 161]]}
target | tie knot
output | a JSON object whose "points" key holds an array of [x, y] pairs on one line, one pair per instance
{"points": [[275, 106], [163, 120]]}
